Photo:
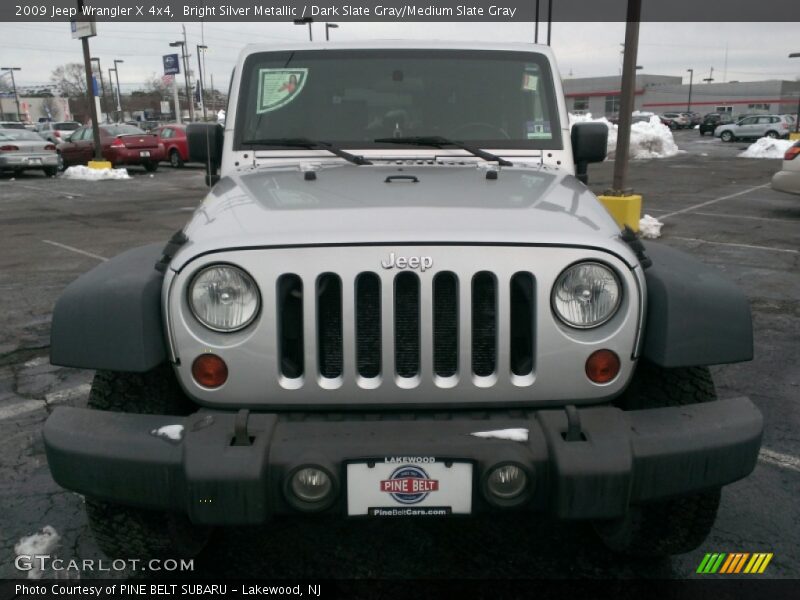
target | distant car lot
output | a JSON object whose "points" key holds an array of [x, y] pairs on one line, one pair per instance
{"points": [[714, 205]]}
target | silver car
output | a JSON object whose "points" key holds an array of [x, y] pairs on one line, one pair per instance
{"points": [[756, 126], [788, 178], [21, 150]]}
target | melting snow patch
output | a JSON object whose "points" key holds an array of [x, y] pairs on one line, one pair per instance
{"points": [[86, 174], [38, 544], [767, 148], [649, 139], [171, 432], [515, 435], [650, 227]]}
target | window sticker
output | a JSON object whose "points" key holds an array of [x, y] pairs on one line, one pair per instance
{"points": [[278, 87], [538, 130], [530, 80]]}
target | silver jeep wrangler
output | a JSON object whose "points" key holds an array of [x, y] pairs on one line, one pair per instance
{"points": [[400, 299]]}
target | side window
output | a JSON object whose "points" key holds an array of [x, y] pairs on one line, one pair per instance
{"points": [[764, 120], [77, 136], [748, 121]]}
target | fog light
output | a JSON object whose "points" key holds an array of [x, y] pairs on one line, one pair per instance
{"points": [[310, 484], [506, 482], [602, 366], [209, 370]]}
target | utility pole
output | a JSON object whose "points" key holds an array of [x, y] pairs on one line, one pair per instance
{"points": [[627, 96], [329, 26], [111, 86], [549, 19], [14, 86], [87, 64], [200, 50], [303, 21], [119, 90], [691, 77], [536, 27], [182, 45]]}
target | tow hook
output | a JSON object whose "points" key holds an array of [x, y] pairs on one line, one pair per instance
{"points": [[240, 435], [573, 433]]}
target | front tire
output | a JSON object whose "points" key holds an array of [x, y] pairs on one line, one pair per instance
{"points": [[175, 160], [772, 135], [123, 531], [726, 136], [677, 525]]}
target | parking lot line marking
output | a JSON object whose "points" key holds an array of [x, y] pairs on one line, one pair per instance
{"points": [[20, 408], [707, 214], [784, 461], [46, 191], [78, 250], [752, 247], [714, 201]]}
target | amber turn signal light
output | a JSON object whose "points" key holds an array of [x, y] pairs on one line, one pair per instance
{"points": [[209, 370], [602, 366]]}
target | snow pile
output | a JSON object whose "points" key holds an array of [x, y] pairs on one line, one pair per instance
{"points": [[650, 227], [86, 174], [515, 435], [649, 139], [38, 544], [767, 148]]}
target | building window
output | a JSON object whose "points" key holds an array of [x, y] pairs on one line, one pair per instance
{"points": [[724, 109], [758, 106], [580, 103], [612, 105]]}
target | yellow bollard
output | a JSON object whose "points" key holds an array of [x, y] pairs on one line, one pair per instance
{"points": [[626, 210], [99, 164], [794, 136]]}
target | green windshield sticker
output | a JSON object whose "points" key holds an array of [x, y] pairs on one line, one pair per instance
{"points": [[278, 87]]}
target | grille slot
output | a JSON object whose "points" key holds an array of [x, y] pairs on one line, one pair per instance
{"points": [[484, 324], [368, 325], [445, 324], [522, 323], [329, 325], [290, 325], [406, 324]]}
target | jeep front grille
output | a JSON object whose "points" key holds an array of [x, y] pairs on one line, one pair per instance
{"points": [[445, 301]]}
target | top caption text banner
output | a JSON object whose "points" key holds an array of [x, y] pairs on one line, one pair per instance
{"points": [[398, 10]]}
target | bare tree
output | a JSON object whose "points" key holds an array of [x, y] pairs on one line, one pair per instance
{"points": [[70, 79]]}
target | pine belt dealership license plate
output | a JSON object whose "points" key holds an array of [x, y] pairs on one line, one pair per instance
{"points": [[409, 487]]}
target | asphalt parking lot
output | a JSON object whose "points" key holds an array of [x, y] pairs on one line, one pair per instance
{"points": [[714, 205]]}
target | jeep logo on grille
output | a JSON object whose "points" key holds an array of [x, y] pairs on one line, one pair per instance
{"points": [[423, 263]]}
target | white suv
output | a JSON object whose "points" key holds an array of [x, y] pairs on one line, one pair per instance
{"points": [[757, 126]]}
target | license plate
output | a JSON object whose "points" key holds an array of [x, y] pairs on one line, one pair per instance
{"points": [[392, 488], [34, 161], [144, 154]]}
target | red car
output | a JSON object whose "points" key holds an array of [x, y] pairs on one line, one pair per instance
{"points": [[122, 145], [173, 137]]}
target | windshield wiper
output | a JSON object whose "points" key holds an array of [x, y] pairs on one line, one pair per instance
{"points": [[311, 145], [438, 141]]}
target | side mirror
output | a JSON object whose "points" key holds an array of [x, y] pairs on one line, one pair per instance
{"points": [[205, 146], [589, 144]]}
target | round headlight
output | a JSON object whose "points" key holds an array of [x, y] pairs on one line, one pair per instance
{"points": [[586, 295], [224, 298]]}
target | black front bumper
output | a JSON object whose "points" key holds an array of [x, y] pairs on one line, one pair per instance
{"points": [[621, 457]]}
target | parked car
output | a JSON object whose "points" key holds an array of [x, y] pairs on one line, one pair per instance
{"points": [[144, 125], [12, 125], [788, 178], [712, 120], [122, 144], [21, 150], [56, 131], [173, 137], [753, 127], [693, 117], [675, 120], [297, 342]]}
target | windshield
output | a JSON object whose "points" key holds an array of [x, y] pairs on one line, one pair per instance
{"points": [[352, 97], [66, 126], [20, 134], [115, 130]]}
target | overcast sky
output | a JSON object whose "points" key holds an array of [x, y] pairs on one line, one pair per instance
{"points": [[755, 51]]}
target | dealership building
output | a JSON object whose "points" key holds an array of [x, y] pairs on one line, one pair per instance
{"points": [[600, 96]]}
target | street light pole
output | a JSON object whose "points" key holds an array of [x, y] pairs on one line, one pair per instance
{"points": [[119, 92], [14, 86], [797, 119], [627, 96], [111, 86], [327, 27], [200, 49], [689, 103]]}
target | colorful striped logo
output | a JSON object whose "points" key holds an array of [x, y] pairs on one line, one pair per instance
{"points": [[734, 562]]}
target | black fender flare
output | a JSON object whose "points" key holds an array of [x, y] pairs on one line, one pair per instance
{"points": [[110, 317], [695, 315]]}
